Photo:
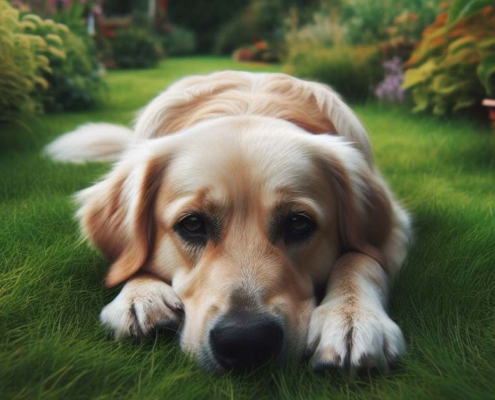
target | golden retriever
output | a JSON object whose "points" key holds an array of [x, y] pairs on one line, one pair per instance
{"points": [[235, 198]]}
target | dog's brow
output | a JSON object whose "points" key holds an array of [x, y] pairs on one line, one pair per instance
{"points": [[299, 204], [194, 202], [174, 208]]}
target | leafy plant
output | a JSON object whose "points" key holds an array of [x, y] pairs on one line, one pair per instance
{"points": [[466, 8], [453, 67], [351, 71], [323, 30], [180, 41], [74, 81], [258, 21], [134, 48], [21, 65], [368, 21]]}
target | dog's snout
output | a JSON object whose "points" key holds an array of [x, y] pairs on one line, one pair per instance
{"points": [[244, 340]]}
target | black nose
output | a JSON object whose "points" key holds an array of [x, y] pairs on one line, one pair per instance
{"points": [[242, 340]]}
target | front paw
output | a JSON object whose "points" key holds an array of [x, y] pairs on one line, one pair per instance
{"points": [[140, 307], [354, 338]]}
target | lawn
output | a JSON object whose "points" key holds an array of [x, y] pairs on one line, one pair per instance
{"points": [[51, 288]]}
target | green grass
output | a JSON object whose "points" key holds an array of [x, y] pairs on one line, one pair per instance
{"points": [[51, 288]]}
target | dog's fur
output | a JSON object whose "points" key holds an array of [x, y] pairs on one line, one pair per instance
{"points": [[246, 150]]}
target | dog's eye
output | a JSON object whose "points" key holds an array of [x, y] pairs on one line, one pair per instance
{"points": [[193, 224], [299, 227], [193, 230]]}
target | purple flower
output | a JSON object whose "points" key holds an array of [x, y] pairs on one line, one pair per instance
{"points": [[390, 88]]}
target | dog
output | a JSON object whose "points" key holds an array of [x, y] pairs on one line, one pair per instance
{"points": [[235, 199]]}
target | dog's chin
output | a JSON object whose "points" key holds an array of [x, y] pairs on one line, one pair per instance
{"points": [[207, 360]]}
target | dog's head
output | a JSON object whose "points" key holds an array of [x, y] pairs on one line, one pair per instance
{"points": [[243, 216]]}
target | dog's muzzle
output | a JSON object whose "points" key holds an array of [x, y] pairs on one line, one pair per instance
{"points": [[241, 340]]}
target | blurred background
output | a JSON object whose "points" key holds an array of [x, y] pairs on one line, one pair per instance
{"points": [[436, 56]]}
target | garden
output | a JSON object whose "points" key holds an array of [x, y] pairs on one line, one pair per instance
{"points": [[416, 72]]}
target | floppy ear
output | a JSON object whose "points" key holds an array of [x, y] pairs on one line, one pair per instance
{"points": [[340, 115], [116, 213], [363, 200]]}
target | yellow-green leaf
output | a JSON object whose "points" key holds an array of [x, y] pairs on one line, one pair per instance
{"points": [[413, 76], [485, 71]]}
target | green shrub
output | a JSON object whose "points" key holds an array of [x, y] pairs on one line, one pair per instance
{"points": [[367, 21], [351, 71], [21, 66], [454, 66], [323, 30], [135, 48], [74, 82], [179, 42], [204, 17], [258, 21]]}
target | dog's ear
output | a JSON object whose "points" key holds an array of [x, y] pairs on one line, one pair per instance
{"points": [[337, 116], [363, 200], [116, 214]]}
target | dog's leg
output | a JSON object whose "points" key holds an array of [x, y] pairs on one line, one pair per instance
{"points": [[350, 328], [144, 303]]}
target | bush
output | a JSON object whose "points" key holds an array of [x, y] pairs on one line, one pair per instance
{"points": [[205, 17], [368, 21], [180, 42], [351, 71], [74, 81], [21, 66], [258, 21], [323, 30], [134, 48], [261, 20], [454, 66]]}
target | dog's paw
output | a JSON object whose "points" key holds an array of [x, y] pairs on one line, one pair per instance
{"points": [[353, 338], [140, 307]]}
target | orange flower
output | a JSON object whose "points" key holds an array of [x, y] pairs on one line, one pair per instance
{"points": [[413, 17], [441, 18], [261, 45]]}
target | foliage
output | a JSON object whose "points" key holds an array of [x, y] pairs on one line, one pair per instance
{"points": [[351, 71], [324, 29], [225, 25], [260, 51], [180, 41], [204, 17], [453, 67], [258, 21], [466, 8], [390, 89], [394, 24], [368, 21], [135, 48], [21, 64], [74, 82]]}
